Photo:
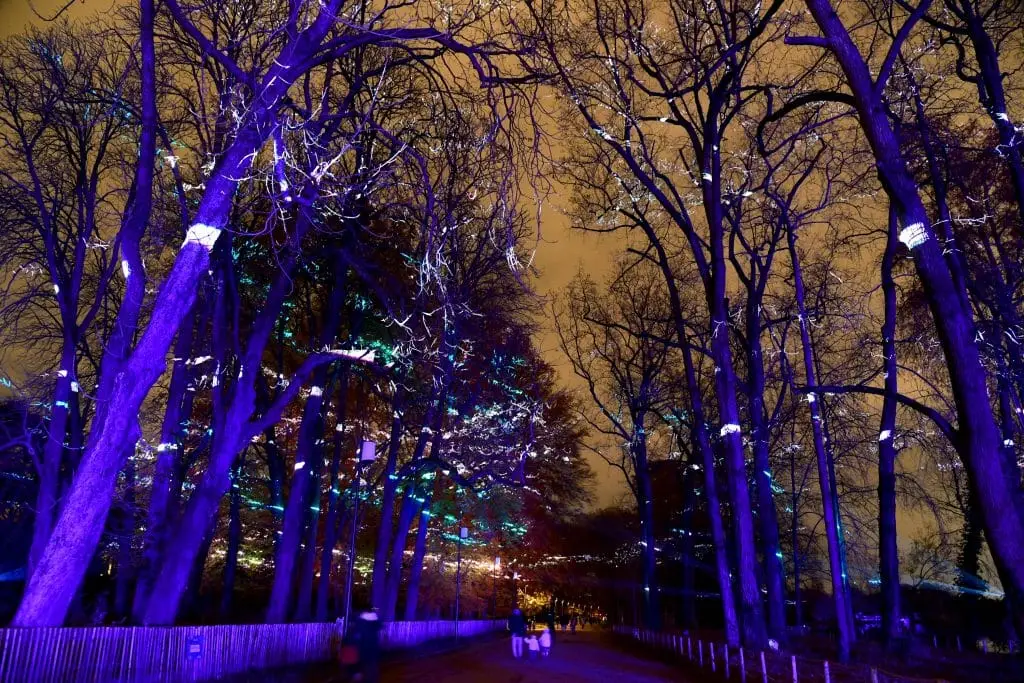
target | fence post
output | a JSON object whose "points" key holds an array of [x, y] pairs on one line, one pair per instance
{"points": [[711, 648], [935, 642], [828, 678], [874, 675], [959, 647], [700, 651], [743, 667], [726, 652], [792, 659], [984, 645], [689, 648], [764, 669]]}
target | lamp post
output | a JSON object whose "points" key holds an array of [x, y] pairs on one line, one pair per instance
{"points": [[494, 587], [463, 533], [367, 454]]}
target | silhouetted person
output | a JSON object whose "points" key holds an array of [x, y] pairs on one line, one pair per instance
{"points": [[366, 637], [517, 626]]}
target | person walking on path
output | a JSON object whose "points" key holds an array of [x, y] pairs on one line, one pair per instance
{"points": [[517, 626], [545, 643]]}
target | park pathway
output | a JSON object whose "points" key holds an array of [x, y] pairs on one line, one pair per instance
{"points": [[582, 658]]}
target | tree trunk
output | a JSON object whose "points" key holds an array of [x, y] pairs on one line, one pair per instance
{"points": [[378, 588], [689, 603], [234, 542], [823, 457], [888, 549], [54, 449], [645, 510], [761, 433], [406, 515], [332, 523], [412, 591], [169, 452]]}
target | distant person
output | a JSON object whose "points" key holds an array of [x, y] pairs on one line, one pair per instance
{"points": [[551, 622], [572, 624], [534, 646], [517, 627], [564, 621], [545, 643]]}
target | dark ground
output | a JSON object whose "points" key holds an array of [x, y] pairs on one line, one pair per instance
{"points": [[585, 657]]}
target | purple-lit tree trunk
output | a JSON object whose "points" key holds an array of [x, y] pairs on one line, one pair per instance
{"points": [[888, 548], [169, 451], [406, 516], [47, 497], [234, 540], [412, 592], [755, 281], [823, 455], [988, 472], [333, 520], [413, 504], [306, 475], [643, 491], [307, 568], [751, 613], [430, 433], [378, 587]]}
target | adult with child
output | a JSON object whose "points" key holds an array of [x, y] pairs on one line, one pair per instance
{"points": [[517, 627]]}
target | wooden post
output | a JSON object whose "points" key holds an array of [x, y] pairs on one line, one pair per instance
{"points": [[711, 649], [743, 667], [700, 651], [689, 648], [874, 675], [828, 678], [725, 648], [792, 660], [764, 669]]}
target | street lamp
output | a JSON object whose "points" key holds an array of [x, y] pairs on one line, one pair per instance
{"points": [[366, 455], [463, 533], [494, 587]]}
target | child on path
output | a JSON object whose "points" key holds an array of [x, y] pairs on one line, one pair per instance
{"points": [[545, 642], [534, 646]]}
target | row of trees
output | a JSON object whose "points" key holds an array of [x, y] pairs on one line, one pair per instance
{"points": [[822, 211], [238, 241]]}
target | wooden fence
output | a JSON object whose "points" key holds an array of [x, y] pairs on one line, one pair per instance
{"points": [[761, 666], [110, 654]]}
